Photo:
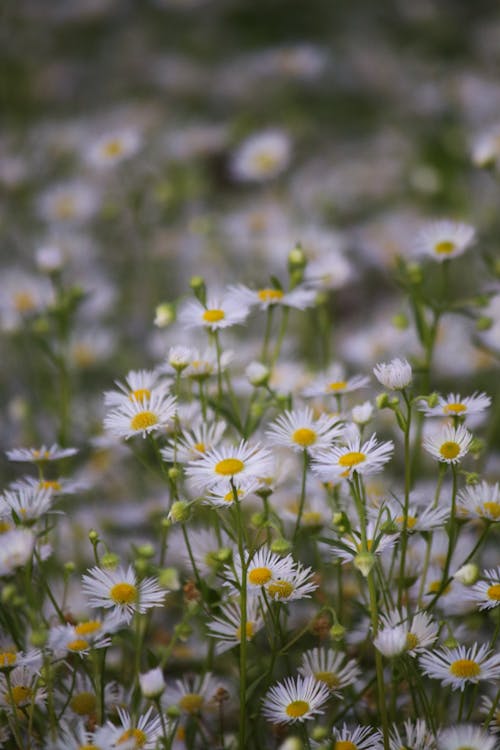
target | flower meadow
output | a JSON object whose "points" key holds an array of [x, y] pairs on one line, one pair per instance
{"points": [[250, 336]]}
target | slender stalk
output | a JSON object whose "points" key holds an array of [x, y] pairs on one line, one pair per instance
{"points": [[243, 622], [302, 496], [404, 533]]}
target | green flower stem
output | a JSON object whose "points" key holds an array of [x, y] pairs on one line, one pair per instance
{"points": [[404, 532], [302, 496], [267, 334], [358, 494], [281, 335], [243, 621], [191, 557], [452, 536]]}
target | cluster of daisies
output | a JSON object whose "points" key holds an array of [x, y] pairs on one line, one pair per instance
{"points": [[320, 570]]}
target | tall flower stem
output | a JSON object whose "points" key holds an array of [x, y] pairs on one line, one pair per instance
{"points": [[358, 494], [404, 532], [302, 496], [243, 621]]}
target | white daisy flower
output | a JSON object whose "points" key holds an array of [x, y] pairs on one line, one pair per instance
{"points": [[76, 737], [140, 417], [191, 694], [84, 699], [487, 710], [416, 735], [222, 495], [357, 738], [456, 406], [333, 271], [113, 148], [69, 202], [120, 589], [229, 463], [220, 311], [463, 736], [300, 298], [152, 683], [298, 429], [204, 364], [39, 455], [330, 667], [195, 443], [11, 657], [445, 239], [262, 156], [264, 567], [480, 500], [25, 689], [66, 639], [142, 734], [296, 583], [418, 518], [461, 666], [295, 700], [420, 631], [394, 375], [16, 549], [335, 383], [352, 542], [363, 458], [139, 385], [449, 445], [226, 628], [391, 641], [28, 503], [179, 357], [486, 593]]}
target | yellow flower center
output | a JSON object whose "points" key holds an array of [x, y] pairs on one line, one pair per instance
{"points": [[213, 316], [304, 436], [79, 644], [264, 162], [249, 630], [137, 735], [20, 694], [200, 447], [493, 509], [259, 576], [143, 420], [88, 747], [312, 518], [24, 301], [411, 641], [455, 408], [229, 466], [450, 449], [191, 702], [4, 526], [123, 593], [353, 458], [7, 658], [410, 523], [84, 355], [83, 704], [112, 148], [297, 708], [494, 592], [88, 628], [64, 207], [280, 589], [435, 587], [141, 394], [337, 385], [345, 745], [270, 295], [465, 668], [445, 247], [329, 678], [49, 484]]}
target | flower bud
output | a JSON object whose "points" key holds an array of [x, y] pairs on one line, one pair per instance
{"points": [[152, 683], [467, 574], [364, 562], [337, 632], [164, 315], [179, 512], [257, 374], [110, 560], [281, 546], [168, 578]]}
